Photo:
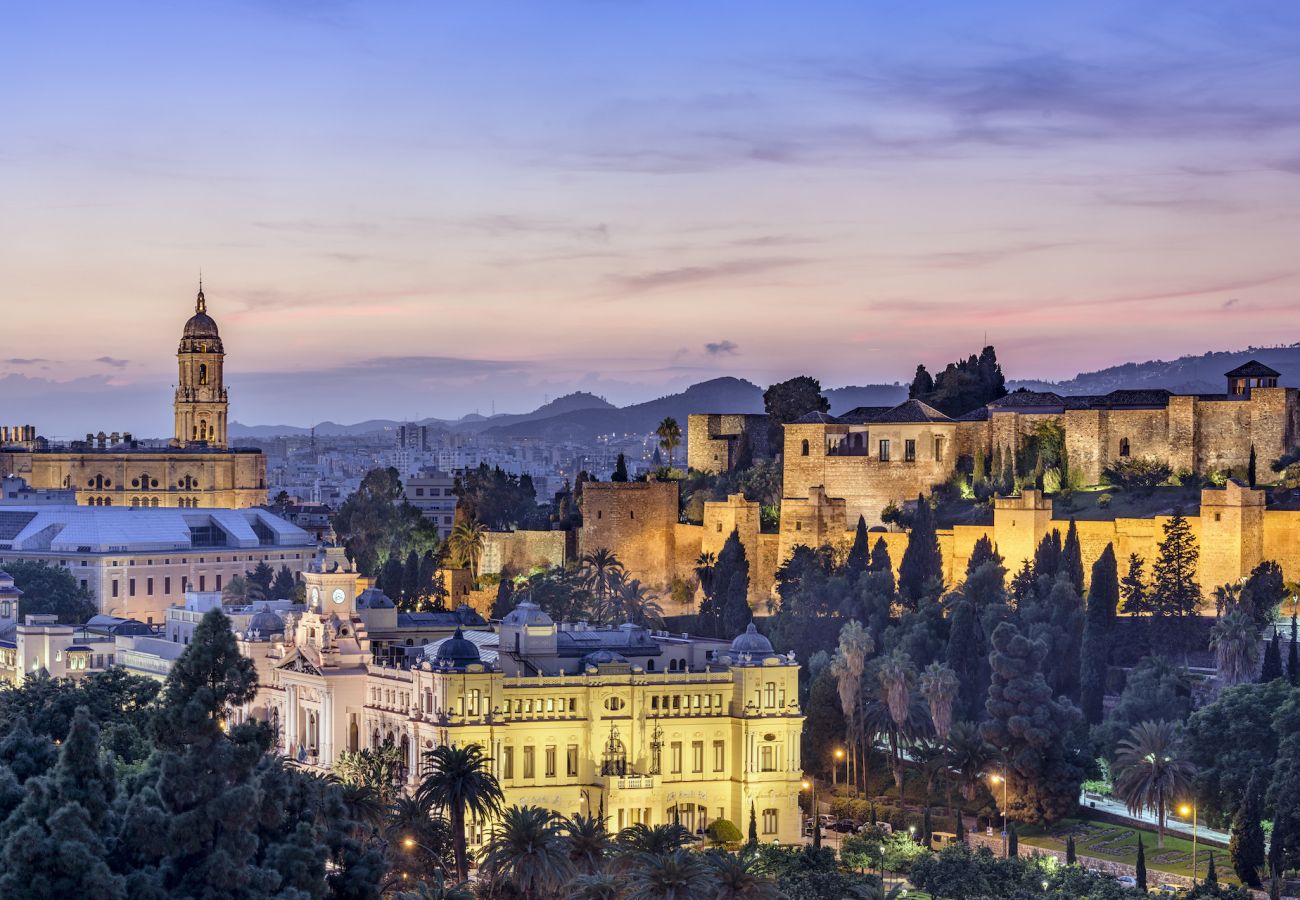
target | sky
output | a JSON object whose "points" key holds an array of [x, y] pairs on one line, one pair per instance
{"points": [[408, 209]]}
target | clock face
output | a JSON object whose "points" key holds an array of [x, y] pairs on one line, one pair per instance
{"points": [[315, 596], [339, 596]]}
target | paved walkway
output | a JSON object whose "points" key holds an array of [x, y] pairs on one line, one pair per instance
{"points": [[1173, 825]]}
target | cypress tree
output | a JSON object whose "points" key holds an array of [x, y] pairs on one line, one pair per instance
{"points": [[983, 552], [1013, 842], [1272, 667], [1133, 590], [873, 814], [961, 828], [410, 580], [1174, 589], [921, 571], [752, 844], [859, 558], [1070, 857], [1293, 656], [979, 474], [1246, 844], [880, 561], [390, 576], [428, 576], [620, 469], [1047, 557], [285, 586], [1211, 873], [1072, 557], [927, 828], [1103, 598], [1250, 467], [965, 655], [1141, 866]]}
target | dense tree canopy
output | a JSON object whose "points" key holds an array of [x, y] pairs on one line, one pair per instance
{"points": [[50, 590], [963, 385]]}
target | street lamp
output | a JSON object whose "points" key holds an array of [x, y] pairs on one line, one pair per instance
{"points": [[1184, 811], [811, 784], [995, 778], [835, 767]]}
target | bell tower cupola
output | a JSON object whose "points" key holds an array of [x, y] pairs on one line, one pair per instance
{"points": [[201, 404]]}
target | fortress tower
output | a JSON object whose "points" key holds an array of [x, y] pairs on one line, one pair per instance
{"points": [[201, 404]]}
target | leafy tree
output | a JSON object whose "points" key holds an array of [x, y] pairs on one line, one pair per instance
{"points": [[1284, 788], [1151, 771], [497, 499], [963, 385], [967, 656], [1293, 656], [459, 780], [1263, 592], [1138, 476], [1174, 589], [1047, 556], [410, 594], [786, 401], [728, 605], [620, 469], [1034, 731], [1246, 843], [1134, 592], [285, 585], [376, 518], [1230, 740], [50, 590], [1103, 599], [921, 572]]}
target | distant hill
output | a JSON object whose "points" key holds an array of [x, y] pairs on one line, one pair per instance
{"points": [[1201, 374], [582, 416], [716, 395]]}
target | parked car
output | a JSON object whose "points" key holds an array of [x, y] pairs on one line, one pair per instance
{"points": [[1127, 881], [1169, 890], [845, 826], [827, 820]]}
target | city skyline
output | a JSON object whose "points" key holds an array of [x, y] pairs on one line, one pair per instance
{"points": [[403, 215]]}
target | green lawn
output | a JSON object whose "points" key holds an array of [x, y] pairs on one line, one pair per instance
{"points": [[1119, 844], [1084, 505]]}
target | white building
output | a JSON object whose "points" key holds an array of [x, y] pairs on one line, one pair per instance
{"points": [[137, 562]]}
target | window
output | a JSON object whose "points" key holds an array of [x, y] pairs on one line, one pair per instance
{"points": [[203, 582], [769, 694], [148, 586], [719, 755], [909, 450], [130, 587], [697, 756], [884, 450], [529, 766], [769, 821], [571, 761], [550, 762], [507, 762], [938, 449], [115, 587], [676, 757], [767, 758], [1123, 447]]}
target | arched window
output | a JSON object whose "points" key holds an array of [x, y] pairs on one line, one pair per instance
{"points": [[803, 450], [203, 374]]}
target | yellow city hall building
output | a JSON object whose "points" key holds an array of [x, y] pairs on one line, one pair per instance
{"points": [[647, 726], [196, 468]]}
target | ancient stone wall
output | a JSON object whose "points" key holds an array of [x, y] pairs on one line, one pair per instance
{"points": [[637, 521], [713, 439], [519, 551]]}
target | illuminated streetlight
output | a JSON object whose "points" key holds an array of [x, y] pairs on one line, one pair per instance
{"points": [[835, 767], [1185, 810], [1002, 779]]}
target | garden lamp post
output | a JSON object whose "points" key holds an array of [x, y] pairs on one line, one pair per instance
{"points": [[996, 778], [810, 784], [835, 767], [1185, 810]]}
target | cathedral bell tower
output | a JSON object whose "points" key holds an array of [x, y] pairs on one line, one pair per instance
{"points": [[201, 403]]}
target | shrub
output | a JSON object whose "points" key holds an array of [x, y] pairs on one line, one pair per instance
{"points": [[1140, 476], [1104, 501], [723, 831]]}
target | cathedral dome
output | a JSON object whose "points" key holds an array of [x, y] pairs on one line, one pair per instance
{"points": [[457, 652], [200, 325], [266, 623]]}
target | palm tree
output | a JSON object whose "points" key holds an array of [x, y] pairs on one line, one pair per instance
{"points": [[968, 754], [895, 713], [528, 851], [1226, 597], [241, 590], [677, 875], [736, 877], [850, 660], [602, 573], [459, 780], [438, 890], [670, 437], [1236, 647], [939, 687], [637, 605], [466, 545], [704, 564], [601, 886], [1151, 770], [652, 840], [896, 677], [588, 843]]}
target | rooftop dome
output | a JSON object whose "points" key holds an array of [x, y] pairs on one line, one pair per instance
{"points": [[200, 325], [603, 658], [265, 623], [456, 651], [374, 598], [751, 642], [527, 613]]}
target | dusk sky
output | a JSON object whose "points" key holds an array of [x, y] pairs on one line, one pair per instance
{"points": [[415, 209]]}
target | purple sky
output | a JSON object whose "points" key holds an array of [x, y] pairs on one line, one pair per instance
{"points": [[411, 209]]}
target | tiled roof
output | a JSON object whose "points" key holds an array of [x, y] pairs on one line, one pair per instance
{"points": [[861, 414], [910, 411], [1252, 369], [1023, 399], [815, 418], [1150, 397]]}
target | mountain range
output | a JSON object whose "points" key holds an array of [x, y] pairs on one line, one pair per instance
{"points": [[583, 416]]}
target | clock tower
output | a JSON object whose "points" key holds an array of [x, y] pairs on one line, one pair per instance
{"points": [[331, 584], [201, 404]]}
